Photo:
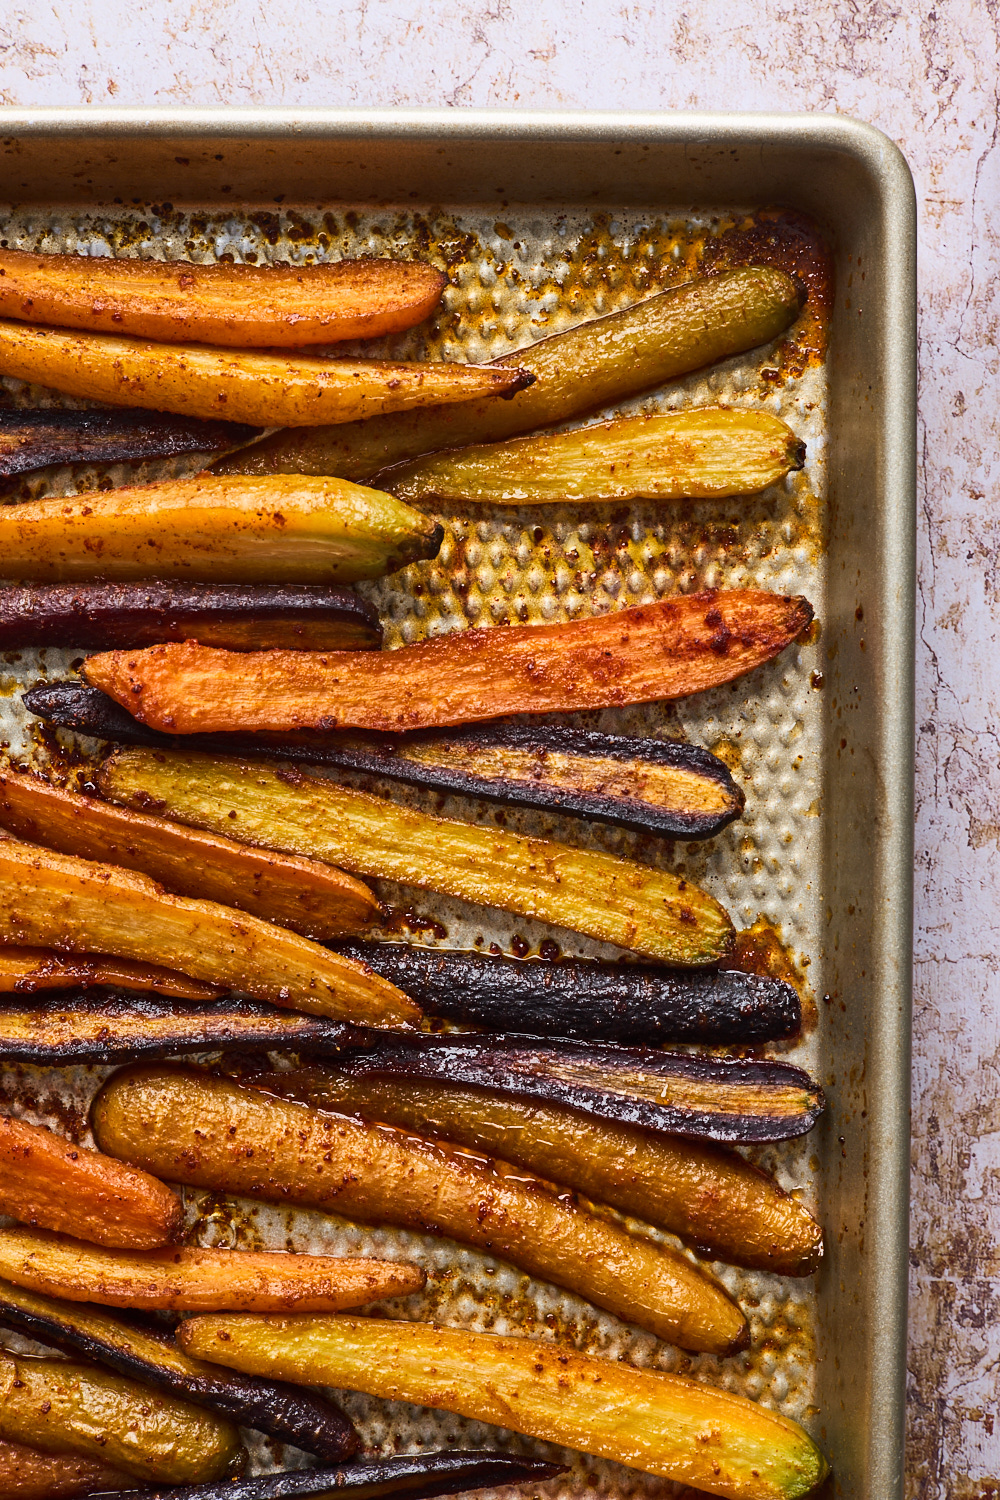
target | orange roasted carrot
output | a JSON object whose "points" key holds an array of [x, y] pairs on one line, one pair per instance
{"points": [[183, 1280], [256, 386], [46, 1180], [27, 1474], [85, 907], [244, 306], [665, 650], [303, 894], [25, 970]]}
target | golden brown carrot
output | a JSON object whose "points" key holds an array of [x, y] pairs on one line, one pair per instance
{"points": [[245, 306], [60, 1407], [668, 650], [305, 895], [717, 1201], [668, 1425], [282, 530], [242, 385], [28, 1474], [212, 1133], [25, 970], [609, 898], [48, 1181], [51, 899], [596, 364], [183, 1280]]}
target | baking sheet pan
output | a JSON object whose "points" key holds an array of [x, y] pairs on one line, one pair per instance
{"points": [[543, 221]]}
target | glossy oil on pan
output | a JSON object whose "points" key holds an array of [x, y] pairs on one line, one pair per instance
{"points": [[540, 222]]}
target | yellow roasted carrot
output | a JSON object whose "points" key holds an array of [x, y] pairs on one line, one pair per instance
{"points": [[59, 1407], [594, 365], [209, 1132], [184, 1280], [305, 895], [242, 385], [702, 454], [245, 306], [49, 1181], [83, 907], [615, 900], [667, 1425], [717, 1201], [282, 530]]}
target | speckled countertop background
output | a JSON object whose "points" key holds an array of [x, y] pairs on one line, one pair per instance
{"points": [[929, 76]]}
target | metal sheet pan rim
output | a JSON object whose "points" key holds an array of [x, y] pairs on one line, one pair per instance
{"points": [[705, 126]]}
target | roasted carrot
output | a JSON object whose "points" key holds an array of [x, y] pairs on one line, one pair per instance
{"points": [[238, 616], [52, 899], [28, 1474], [212, 1133], [183, 1280], [48, 1181], [95, 1028], [714, 1199], [669, 650], [150, 1356], [419, 1476], [705, 453], [60, 1407], [25, 970], [245, 306], [305, 895], [241, 385], [32, 437], [668, 1425], [596, 364], [614, 900], [208, 530]]}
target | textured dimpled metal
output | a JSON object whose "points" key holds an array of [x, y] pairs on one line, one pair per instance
{"points": [[513, 279]]}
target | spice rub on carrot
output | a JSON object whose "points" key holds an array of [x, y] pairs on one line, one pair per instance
{"points": [[655, 651]]}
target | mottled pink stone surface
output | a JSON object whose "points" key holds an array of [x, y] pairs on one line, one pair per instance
{"points": [[928, 75]]}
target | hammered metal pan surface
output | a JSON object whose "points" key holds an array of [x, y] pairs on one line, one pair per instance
{"points": [[805, 735]]}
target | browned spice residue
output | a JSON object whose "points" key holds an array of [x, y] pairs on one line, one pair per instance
{"points": [[410, 921], [729, 752]]}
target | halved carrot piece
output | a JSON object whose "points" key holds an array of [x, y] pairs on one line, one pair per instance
{"points": [[706, 453], [63, 1406], [304, 894], [32, 438], [209, 530], [47, 1180], [614, 900], [25, 970], [667, 650], [669, 1425], [83, 907], [183, 1280], [245, 306], [241, 385]]}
